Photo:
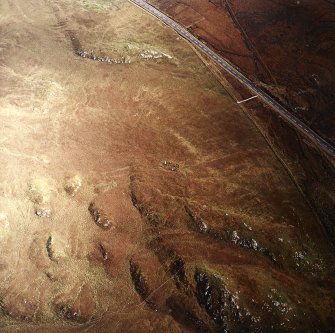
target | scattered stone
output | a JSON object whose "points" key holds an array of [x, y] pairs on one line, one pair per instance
{"points": [[19, 307], [39, 191], [49, 249], [79, 311], [197, 222], [177, 268], [87, 55], [299, 255], [152, 54], [252, 245], [202, 226], [56, 248], [169, 166], [50, 276], [220, 304], [43, 212], [104, 253], [66, 311], [99, 217], [140, 284], [72, 185], [235, 237], [247, 226]]}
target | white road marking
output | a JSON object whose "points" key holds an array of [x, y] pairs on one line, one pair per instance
{"points": [[247, 99]]}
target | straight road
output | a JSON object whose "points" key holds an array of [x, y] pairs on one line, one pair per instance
{"points": [[290, 118]]}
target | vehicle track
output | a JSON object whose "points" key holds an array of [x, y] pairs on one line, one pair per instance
{"points": [[300, 126]]}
